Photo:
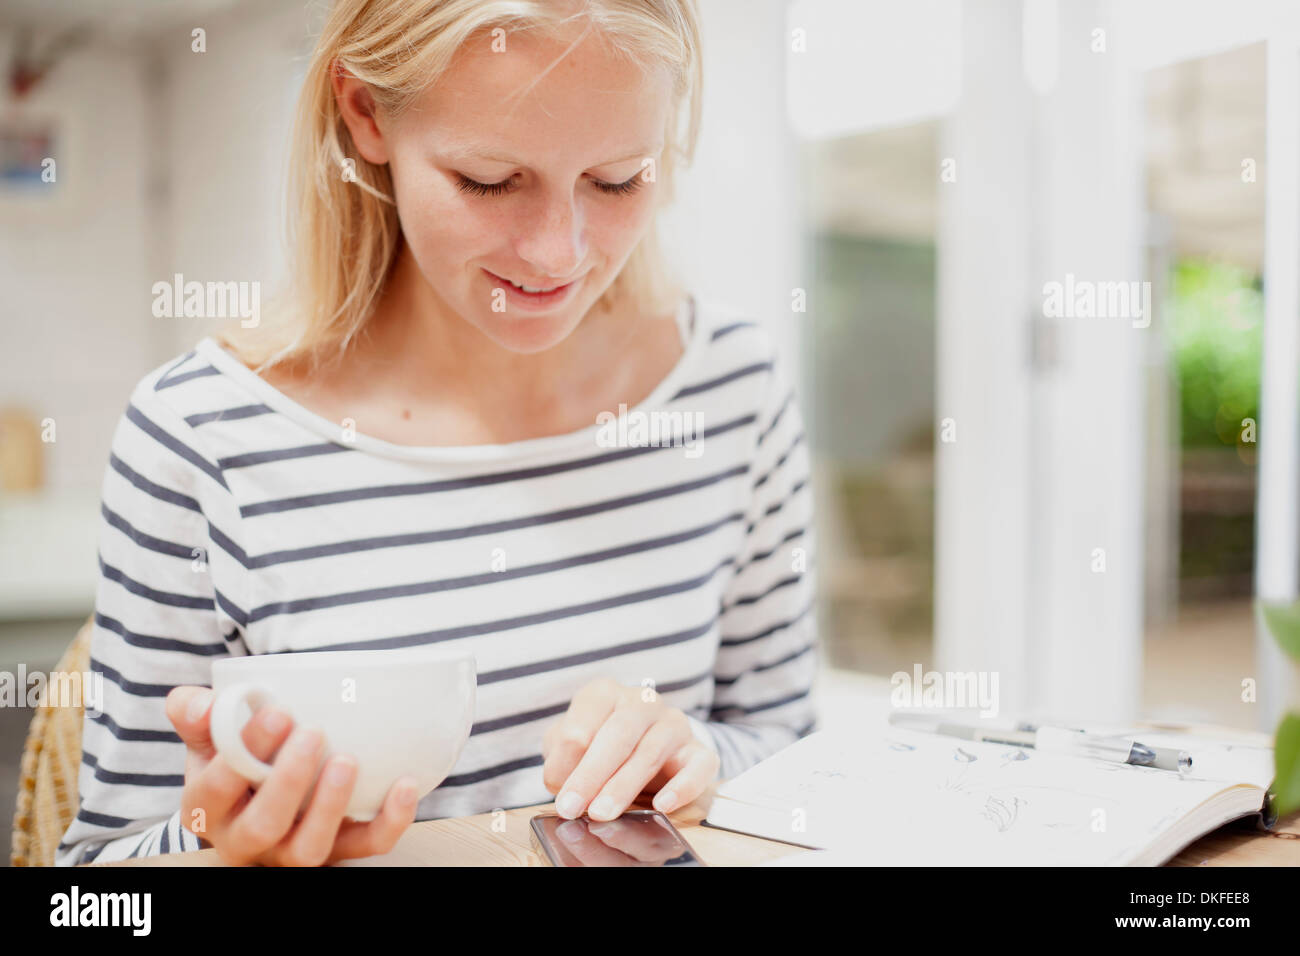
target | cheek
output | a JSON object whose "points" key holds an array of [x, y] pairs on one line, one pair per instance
{"points": [[620, 224], [436, 221]]}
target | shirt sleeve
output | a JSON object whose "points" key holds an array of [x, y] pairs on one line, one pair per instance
{"points": [[158, 623], [767, 655]]}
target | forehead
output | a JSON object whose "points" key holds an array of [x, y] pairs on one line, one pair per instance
{"points": [[543, 96]]}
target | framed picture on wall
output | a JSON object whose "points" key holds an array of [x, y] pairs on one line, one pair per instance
{"points": [[28, 151], [42, 153]]}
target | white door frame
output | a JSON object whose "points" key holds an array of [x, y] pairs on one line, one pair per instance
{"points": [[1039, 501], [1277, 515]]}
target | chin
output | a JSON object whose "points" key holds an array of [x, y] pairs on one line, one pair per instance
{"points": [[528, 336]]}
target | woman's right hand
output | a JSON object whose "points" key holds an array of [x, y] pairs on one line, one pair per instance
{"points": [[259, 827]]}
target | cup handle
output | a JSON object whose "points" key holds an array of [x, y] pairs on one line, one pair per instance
{"points": [[224, 725]]}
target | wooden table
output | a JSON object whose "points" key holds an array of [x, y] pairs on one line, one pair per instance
{"points": [[1237, 844], [503, 840]]}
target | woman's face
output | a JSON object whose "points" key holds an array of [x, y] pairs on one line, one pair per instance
{"points": [[551, 190]]}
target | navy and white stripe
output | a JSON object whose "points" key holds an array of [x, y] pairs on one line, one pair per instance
{"points": [[238, 522]]}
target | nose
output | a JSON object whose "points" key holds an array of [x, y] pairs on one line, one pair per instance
{"points": [[552, 242]]}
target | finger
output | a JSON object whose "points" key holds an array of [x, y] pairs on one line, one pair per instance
{"points": [[312, 841], [572, 734], [549, 736], [187, 709], [700, 770], [587, 848], [216, 794], [663, 739], [546, 737], [270, 813], [264, 734], [381, 834], [218, 785], [613, 744]]}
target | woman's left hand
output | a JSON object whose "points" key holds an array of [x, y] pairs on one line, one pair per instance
{"points": [[616, 742]]}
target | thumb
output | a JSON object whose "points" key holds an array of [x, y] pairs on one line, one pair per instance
{"points": [[188, 709]]}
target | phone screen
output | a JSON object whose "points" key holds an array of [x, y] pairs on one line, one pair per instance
{"points": [[637, 838]]}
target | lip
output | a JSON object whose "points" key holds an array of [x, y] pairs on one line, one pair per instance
{"points": [[535, 301]]}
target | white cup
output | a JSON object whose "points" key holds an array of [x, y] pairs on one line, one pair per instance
{"points": [[400, 712]]}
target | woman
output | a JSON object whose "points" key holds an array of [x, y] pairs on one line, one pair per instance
{"points": [[484, 418]]}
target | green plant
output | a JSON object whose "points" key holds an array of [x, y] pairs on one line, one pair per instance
{"points": [[1216, 320], [1284, 624]]}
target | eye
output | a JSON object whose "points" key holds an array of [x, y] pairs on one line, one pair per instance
{"points": [[483, 189], [619, 189], [465, 184]]}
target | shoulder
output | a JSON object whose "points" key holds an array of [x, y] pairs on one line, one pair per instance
{"points": [[157, 436], [188, 385], [198, 387], [733, 333], [739, 345]]}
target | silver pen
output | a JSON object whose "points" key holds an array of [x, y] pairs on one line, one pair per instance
{"points": [[1114, 748], [1111, 748]]}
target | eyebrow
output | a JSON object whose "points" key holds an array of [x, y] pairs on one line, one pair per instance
{"points": [[459, 151]]}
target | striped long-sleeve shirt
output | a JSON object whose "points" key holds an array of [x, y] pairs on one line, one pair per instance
{"points": [[669, 548]]}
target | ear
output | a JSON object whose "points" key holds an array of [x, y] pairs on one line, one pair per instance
{"points": [[359, 111]]}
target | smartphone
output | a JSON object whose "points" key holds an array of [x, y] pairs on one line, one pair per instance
{"points": [[637, 838]]}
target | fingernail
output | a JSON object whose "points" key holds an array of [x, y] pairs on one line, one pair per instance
{"points": [[569, 805], [602, 808], [665, 800], [198, 705], [275, 721], [406, 793], [340, 772]]}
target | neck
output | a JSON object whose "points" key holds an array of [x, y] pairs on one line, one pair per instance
{"points": [[414, 338]]}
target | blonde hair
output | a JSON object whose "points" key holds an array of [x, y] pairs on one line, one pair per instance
{"points": [[344, 230]]}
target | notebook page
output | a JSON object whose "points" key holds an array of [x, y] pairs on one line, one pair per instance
{"points": [[912, 798]]}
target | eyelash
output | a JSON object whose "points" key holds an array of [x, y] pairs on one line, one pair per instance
{"points": [[496, 189]]}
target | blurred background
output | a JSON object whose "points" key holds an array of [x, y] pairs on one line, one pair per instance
{"points": [[1074, 502]]}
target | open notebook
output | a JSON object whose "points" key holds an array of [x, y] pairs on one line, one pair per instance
{"points": [[905, 797]]}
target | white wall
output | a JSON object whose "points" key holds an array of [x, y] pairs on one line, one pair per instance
{"points": [[734, 232], [174, 163], [74, 288], [873, 64], [229, 117]]}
